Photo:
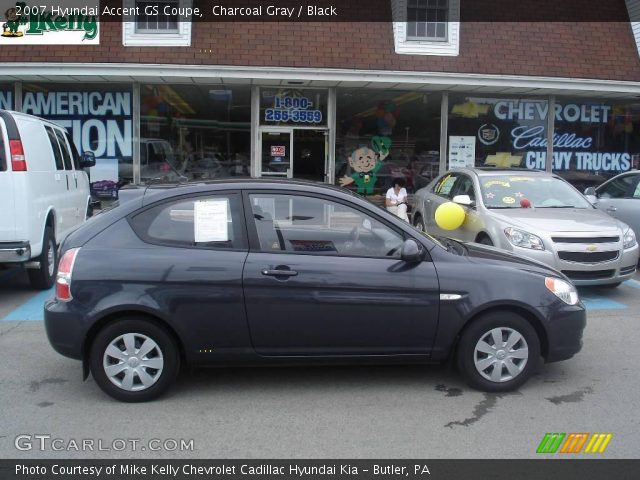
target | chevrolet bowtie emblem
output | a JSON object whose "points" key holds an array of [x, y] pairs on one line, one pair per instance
{"points": [[592, 248]]}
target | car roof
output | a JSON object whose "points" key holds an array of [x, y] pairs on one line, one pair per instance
{"points": [[487, 171]]}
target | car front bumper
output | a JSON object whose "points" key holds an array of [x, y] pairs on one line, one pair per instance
{"points": [[564, 331], [586, 273]]}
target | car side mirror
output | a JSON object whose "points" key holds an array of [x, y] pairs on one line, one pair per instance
{"points": [[88, 160], [591, 195], [411, 251], [463, 200]]}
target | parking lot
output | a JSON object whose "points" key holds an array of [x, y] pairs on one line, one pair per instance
{"points": [[340, 412]]}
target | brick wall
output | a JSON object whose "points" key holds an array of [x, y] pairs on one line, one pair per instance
{"points": [[600, 50]]}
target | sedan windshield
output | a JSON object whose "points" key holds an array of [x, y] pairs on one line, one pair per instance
{"points": [[523, 191]]}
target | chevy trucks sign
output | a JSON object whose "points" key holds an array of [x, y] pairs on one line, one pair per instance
{"points": [[24, 24]]}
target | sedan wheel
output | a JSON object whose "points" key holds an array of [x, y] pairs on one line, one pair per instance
{"points": [[134, 359], [498, 352]]}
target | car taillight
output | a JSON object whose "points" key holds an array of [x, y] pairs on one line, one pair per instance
{"points": [[63, 279], [18, 162]]}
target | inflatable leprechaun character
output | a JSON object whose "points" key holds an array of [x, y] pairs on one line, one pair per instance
{"points": [[365, 163]]}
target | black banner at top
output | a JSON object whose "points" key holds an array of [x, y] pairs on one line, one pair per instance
{"points": [[328, 10]]}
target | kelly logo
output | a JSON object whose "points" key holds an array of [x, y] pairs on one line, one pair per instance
{"points": [[24, 21], [574, 443]]}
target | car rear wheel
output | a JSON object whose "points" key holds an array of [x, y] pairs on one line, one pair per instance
{"points": [[43, 277], [498, 352], [134, 360]]}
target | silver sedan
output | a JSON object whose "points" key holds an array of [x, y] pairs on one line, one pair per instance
{"points": [[620, 198], [534, 214]]}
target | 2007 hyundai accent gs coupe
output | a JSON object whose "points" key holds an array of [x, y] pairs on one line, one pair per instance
{"points": [[268, 272]]}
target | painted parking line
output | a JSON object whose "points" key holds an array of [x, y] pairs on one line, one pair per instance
{"points": [[632, 283], [594, 302], [32, 309]]}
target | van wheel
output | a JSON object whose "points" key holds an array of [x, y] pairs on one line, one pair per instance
{"points": [[498, 352], [134, 360], [44, 276]]}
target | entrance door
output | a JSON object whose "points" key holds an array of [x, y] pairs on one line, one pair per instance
{"points": [[276, 146], [309, 154]]}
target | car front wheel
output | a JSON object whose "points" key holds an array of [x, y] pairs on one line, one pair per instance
{"points": [[498, 352], [419, 223], [134, 360]]}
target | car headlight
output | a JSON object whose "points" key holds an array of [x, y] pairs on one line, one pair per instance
{"points": [[523, 239], [563, 290], [629, 239]]}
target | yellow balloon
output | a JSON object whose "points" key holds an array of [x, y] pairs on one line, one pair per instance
{"points": [[450, 216]]}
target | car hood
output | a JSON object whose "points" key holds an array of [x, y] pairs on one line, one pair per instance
{"points": [[559, 219], [478, 253]]}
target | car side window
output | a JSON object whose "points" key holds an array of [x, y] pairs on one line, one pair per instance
{"points": [[618, 188], [75, 155], [445, 184], [57, 154], [66, 155], [210, 222], [464, 186], [636, 192], [317, 226]]}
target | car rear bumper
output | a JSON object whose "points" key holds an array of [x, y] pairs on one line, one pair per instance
{"points": [[565, 332], [14, 252], [65, 328]]}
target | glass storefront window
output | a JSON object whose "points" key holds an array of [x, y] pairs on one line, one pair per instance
{"points": [[99, 119], [194, 132], [6, 96], [595, 140], [384, 134], [293, 107], [497, 132]]}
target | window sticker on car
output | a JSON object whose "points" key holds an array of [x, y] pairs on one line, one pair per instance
{"points": [[521, 179], [211, 219], [492, 183], [508, 200]]}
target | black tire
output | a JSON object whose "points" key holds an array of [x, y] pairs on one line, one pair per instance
{"points": [[418, 222], [479, 329], [169, 353], [43, 277], [485, 240]]}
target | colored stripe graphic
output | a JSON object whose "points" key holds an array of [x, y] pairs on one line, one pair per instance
{"points": [[573, 442], [598, 443], [550, 442]]}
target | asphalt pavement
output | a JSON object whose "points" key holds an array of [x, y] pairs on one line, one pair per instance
{"points": [[319, 412]]}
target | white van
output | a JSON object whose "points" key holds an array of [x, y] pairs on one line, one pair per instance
{"points": [[44, 193]]}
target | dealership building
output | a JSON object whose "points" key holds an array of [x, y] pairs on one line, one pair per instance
{"points": [[439, 84]]}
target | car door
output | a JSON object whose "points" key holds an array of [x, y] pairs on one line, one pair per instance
{"points": [[440, 194], [77, 202], [62, 200], [620, 198], [325, 278], [81, 177], [473, 223]]}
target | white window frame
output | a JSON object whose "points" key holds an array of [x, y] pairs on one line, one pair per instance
{"points": [[404, 45], [155, 38]]}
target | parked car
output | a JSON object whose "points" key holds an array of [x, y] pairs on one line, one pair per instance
{"points": [[620, 198], [536, 214], [158, 163], [277, 272], [44, 193]]}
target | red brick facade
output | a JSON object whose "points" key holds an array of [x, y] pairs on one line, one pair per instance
{"points": [[604, 50]]}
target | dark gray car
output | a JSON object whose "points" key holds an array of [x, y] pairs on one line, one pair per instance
{"points": [[267, 272]]}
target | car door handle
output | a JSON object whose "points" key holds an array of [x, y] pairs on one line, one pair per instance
{"points": [[279, 273]]}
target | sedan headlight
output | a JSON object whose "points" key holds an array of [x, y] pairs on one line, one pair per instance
{"points": [[563, 290], [629, 239], [523, 239]]}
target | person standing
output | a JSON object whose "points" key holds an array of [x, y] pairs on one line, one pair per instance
{"points": [[396, 199]]}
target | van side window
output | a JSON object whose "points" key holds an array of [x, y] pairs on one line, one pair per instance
{"points": [[56, 148], [75, 155], [66, 155]]}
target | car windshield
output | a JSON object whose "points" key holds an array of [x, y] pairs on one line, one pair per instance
{"points": [[522, 191]]}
